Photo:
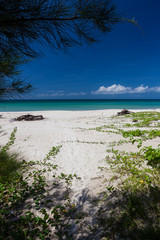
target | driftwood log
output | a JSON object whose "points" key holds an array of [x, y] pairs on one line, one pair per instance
{"points": [[123, 112], [29, 117]]}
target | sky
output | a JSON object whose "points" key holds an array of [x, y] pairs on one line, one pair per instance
{"points": [[124, 65]]}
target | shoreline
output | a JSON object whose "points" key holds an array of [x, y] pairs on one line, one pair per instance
{"points": [[79, 111]]}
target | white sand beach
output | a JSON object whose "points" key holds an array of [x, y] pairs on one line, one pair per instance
{"points": [[83, 148]]}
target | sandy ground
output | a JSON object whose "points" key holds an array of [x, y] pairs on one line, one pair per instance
{"points": [[83, 150]]}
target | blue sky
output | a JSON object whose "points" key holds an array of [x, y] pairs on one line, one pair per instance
{"points": [[125, 64]]}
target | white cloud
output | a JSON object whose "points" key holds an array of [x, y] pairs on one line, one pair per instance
{"points": [[76, 94], [140, 89], [51, 94], [57, 94], [114, 89], [60, 93], [155, 89], [119, 89]]}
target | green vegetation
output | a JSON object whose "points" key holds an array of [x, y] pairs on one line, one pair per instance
{"points": [[131, 134], [145, 134], [8, 166], [52, 153], [8, 162], [27, 211], [135, 211], [132, 165], [129, 207], [10, 142], [152, 156], [144, 119]]}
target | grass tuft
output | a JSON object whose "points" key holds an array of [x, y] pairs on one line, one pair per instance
{"points": [[8, 166]]}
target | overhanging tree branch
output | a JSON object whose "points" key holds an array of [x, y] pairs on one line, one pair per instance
{"points": [[52, 23], [26, 25], [11, 82]]}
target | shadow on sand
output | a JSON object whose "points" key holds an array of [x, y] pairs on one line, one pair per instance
{"points": [[109, 215]]}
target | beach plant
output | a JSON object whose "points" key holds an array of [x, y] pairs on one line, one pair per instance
{"points": [[9, 164], [145, 118], [8, 161], [152, 155], [139, 141], [53, 152], [31, 207], [90, 142], [11, 140], [144, 134], [106, 129], [131, 205], [136, 135], [133, 133], [142, 119], [26, 210], [132, 209]]}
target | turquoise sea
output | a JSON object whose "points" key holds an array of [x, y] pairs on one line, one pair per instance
{"points": [[76, 105]]}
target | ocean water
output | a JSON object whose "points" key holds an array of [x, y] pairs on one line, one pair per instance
{"points": [[76, 105]]}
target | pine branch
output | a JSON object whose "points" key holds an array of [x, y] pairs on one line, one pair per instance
{"points": [[52, 23], [11, 82]]}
